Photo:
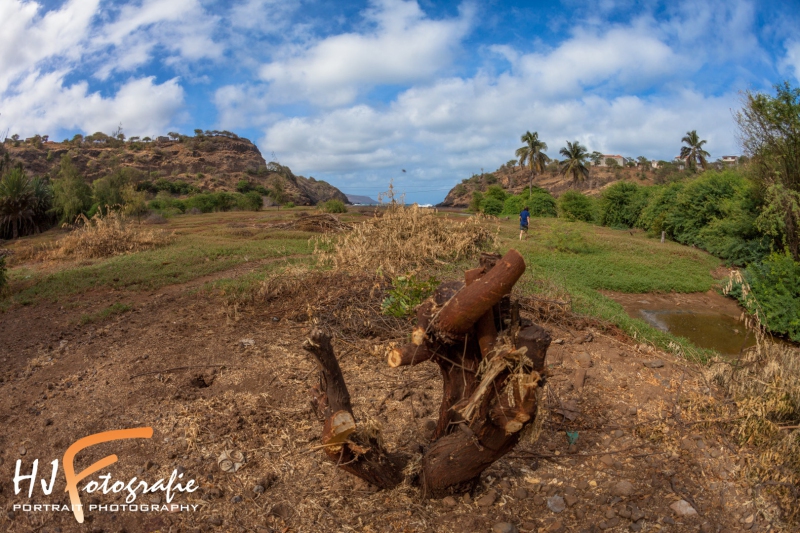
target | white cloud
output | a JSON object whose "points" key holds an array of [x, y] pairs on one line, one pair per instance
{"points": [[41, 103], [26, 38], [792, 59], [405, 46]]}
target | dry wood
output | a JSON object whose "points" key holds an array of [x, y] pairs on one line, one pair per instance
{"points": [[409, 355], [461, 312]]}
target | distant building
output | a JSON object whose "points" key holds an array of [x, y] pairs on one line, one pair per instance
{"points": [[654, 164], [162, 139], [730, 159]]}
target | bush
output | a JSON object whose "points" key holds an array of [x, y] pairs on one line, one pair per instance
{"points": [[72, 196], [244, 186], [289, 205], [662, 199], [541, 203], [573, 206], [406, 294], [775, 283], [622, 204], [491, 206], [333, 206], [475, 203], [250, 201]]}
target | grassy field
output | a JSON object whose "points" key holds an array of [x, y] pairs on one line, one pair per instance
{"points": [[565, 259], [577, 260]]}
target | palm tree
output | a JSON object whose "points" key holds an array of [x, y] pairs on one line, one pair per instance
{"points": [[533, 153], [575, 161], [17, 203], [694, 153]]}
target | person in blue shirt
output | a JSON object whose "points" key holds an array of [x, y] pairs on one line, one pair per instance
{"points": [[523, 221]]}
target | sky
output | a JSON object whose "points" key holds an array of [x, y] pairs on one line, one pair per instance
{"points": [[423, 93]]}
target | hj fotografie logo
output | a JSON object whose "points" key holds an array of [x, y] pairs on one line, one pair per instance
{"points": [[132, 487]]}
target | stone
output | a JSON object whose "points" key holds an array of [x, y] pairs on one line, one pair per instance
{"points": [[682, 508], [215, 521], [636, 514], [707, 527], [607, 460], [504, 527], [554, 527], [488, 499], [467, 499], [623, 489], [584, 360], [450, 501], [583, 484], [632, 411], [258, 489], [22, 450], [505, 485], [637, 526], [538, 500], [570, 499], [715, 453], [610, 513], [624, 513], [579, 514], [618, 433], [520, 493], [655, 363], [579, 379], [430, 425], [155, 499], [529, 526], [556, 504], [236, 499]]}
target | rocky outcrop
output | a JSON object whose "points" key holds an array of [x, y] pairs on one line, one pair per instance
{"points": [[211, 163]]}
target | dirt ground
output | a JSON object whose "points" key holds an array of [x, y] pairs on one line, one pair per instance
{"points": [[208, 380]]}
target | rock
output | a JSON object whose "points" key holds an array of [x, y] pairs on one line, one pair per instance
{"points": [[467, 499], [558, 341], [505, 485], [609, 524], [715, 453], [504, 527], [707, 527], [583, 484], [520, 493], [610, 513], [258, 489], [554, 527], [584, 360], [556, 504], [632, 411], [579, 514], [578, 379], [623, 489], [655, 363], [636, 514], [155, 499], [668, 520], [450, 501], [529, 526], [430, 425], [247, 342], [637, 526], [607, 460], [488, 499], [625, 513], [618, 433], [682, 508], [215, 521], [236, 499], [570, 499]]}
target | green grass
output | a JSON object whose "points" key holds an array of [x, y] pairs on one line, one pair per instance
{"points": [[582, 259], [99, 316], [204, 244]]}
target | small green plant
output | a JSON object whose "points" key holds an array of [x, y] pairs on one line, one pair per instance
{"points": [[111, 310], [406, 294], [334, 206], [289, 205]]}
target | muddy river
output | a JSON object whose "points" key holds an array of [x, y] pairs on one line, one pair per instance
{"points": [[709, 320]]}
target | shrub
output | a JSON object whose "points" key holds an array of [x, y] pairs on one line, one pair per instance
{"points": [[406, 294], [491, 206], [103, 236], [622, 204], [23, 204], [475, 203], [540, 203], [289, 205], [244, 186], [775, 283], [250, 201], [572, 205], [72, 196], [497, 192], [568, 241], [662, 199], [334, 206]]}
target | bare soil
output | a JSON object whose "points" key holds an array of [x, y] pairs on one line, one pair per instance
{"points": [[207, 379]]}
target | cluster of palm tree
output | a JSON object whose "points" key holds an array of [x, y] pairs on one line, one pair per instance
{"points": [[576, 156], [24, 202]]}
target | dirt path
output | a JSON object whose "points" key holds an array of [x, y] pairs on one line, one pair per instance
{"points": [[206, 383]]}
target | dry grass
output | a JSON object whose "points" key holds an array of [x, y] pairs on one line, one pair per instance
{"points": [[104, 236], [405, 239], [765, 384]]}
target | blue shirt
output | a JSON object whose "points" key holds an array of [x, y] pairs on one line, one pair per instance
{"points": [[523, 217]]}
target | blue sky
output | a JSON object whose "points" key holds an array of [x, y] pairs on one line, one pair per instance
{"points": [[354, 92]]}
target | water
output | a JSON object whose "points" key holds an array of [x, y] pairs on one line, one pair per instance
{"points": [[713, 330]]}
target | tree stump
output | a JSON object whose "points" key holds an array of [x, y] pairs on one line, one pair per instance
{"points": [[491, 366]]}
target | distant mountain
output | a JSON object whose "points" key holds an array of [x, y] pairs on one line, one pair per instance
{"points": [[363, 200], [209, 162]]}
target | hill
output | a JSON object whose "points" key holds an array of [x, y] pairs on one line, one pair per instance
{"points": [[515, 179], [208, 162], [362, 200]]}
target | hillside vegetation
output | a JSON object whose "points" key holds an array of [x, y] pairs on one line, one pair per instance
{"points": [[179, 164]]}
